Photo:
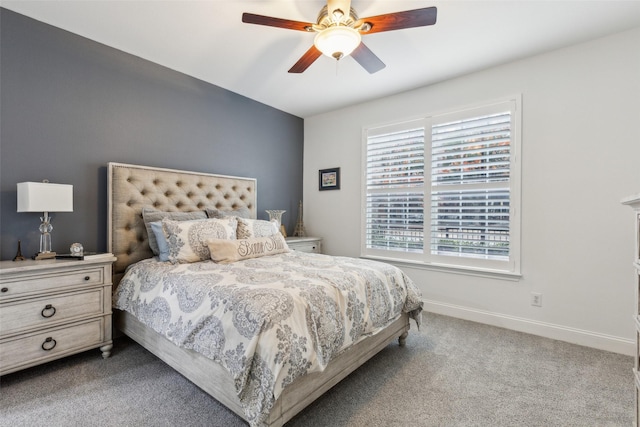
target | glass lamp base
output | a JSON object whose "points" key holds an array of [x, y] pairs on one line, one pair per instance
{"points": [[45, 238], [45, 255], [275, 215]]}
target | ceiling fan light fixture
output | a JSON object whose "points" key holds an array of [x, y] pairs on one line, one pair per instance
{"points": [[337, 42]]}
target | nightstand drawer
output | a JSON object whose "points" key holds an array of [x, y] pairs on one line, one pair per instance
{"points": [[29, 284], [305, 244], [307, 247], [50, 344], [48, 311]]}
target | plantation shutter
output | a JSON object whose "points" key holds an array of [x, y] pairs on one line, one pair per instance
{"points": [[395, 190], [470, 188]]}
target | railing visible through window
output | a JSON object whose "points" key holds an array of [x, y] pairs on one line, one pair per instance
{"points": [[395, 191], [470, 170]]}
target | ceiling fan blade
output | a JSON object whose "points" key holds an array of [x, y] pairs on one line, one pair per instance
{"points": [[365, 57], [307, 59], [269, 21], [400, 20]]}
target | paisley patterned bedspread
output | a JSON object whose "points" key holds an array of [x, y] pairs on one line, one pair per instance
{"points": [[268, 320]]}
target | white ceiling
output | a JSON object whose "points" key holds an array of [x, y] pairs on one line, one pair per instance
{"points": [[207, 40]]}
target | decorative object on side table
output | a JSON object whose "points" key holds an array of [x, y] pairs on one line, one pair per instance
{"points": [[299, 231], [45, 197], [329, 179], [76, 249], [19, 256], [276, 215]]}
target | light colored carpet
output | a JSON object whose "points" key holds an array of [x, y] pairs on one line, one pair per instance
{"points": [[451, 373]]}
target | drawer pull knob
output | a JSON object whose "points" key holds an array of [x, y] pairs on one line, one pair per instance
{"points": [[49, 309], [49, 344], [87, 278], [5, 289]]}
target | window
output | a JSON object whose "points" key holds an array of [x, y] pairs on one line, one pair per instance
{"points": [[444, 190]]}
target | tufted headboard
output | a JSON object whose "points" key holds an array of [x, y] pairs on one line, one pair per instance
{"points": [[131, 188]]}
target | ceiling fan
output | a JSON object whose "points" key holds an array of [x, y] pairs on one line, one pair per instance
{"points": [[339, 30]]}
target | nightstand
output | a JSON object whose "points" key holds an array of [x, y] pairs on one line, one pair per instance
{"points": [[305, 244], [53, 308]]}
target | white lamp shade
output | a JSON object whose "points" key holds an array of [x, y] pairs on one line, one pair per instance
{"points": [[336, 42], [44, 197]]}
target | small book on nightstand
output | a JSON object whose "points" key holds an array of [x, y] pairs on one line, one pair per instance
{"points": [[86, 255]]}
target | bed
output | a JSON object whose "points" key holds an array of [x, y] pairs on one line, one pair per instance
{"points": [[261, 368]]}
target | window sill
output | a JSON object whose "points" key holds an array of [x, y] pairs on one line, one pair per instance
{"points": [[444, 268]]}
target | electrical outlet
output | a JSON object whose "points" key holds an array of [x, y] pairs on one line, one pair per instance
{"points": [[536, 299]]}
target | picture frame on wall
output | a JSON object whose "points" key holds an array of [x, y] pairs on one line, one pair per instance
{"points": [[329, 179]]}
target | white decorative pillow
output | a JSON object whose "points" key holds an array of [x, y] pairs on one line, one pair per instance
{"points": [[227, 251], [248, 228], [187, 240], [150, 215]]}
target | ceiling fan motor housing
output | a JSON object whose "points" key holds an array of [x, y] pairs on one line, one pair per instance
{"points": [[325, 20]]}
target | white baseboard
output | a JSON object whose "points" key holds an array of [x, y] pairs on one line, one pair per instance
{"points": [[547, 330]]}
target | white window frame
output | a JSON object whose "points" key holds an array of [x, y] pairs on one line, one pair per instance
{"points": [[508, 268]]}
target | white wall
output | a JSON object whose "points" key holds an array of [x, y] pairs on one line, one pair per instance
{"points": [[581, 156]]}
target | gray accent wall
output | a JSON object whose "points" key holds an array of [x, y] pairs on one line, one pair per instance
{"points": [[69, 105]]}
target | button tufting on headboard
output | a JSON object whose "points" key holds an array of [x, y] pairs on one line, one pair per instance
{"points": [[133, 187]]}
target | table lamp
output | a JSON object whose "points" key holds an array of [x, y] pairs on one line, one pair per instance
{"points": [[45, 197]]}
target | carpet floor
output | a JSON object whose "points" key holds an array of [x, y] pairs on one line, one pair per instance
{"points": [[451, 373]]}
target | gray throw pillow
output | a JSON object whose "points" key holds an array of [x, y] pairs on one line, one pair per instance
{"points": [[219, 213]]}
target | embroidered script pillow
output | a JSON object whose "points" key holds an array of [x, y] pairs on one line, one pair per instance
{"points": [[248, 228], [187, 240], [226, 251]]}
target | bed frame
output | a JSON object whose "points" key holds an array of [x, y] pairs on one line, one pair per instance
{"points": [[132, 187]]}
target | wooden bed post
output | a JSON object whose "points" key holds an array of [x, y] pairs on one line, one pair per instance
{"points": [[402, 339]]}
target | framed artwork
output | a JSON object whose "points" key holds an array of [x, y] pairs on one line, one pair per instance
{"points": [[329, 179]]}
